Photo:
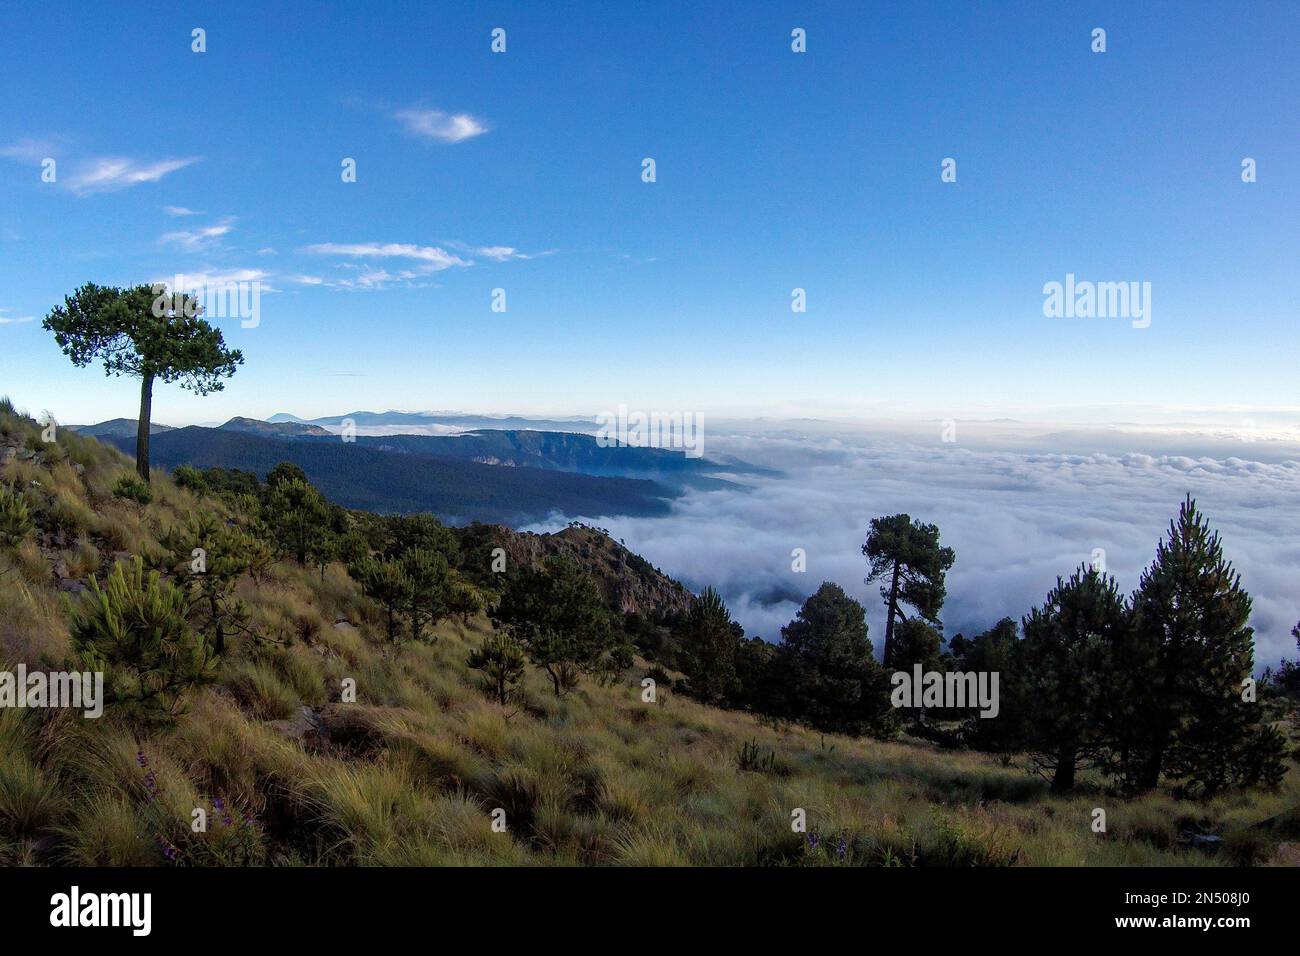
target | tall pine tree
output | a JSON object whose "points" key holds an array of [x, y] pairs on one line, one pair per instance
{"points": [[1064, 668], [1191, 629]]}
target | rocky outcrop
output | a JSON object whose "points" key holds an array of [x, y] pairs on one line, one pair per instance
{"points": [[627, 581]]}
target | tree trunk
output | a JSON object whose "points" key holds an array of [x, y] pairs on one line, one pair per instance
{"points": [[142, 426], [1063, 779], [1151, 767], [219, 642], [555, 679], [889, 616]]}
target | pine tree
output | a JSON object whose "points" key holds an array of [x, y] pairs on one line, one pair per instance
{"points": [[145, 334], [135, 630], [1066, 648], [710, 641], [207, 559], [996, 651], [501, 660], [383, 580], [464, 599], [15, 519], [1191, 618], [297, 516], [556, 613], [430, 588], [834, 682], [907, 554]]}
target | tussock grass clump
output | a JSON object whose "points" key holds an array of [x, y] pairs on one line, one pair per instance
{"points": [[30, 799], [106, 831], [259, 687]]}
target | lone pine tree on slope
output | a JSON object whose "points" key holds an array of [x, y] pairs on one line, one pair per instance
{"points": [[907, 554], [152, 336]]}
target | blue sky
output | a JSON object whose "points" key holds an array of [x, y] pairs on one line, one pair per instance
{"points": [[775, 170]]}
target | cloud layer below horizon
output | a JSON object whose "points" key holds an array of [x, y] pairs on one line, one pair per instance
{"points": [[1016, 518]]}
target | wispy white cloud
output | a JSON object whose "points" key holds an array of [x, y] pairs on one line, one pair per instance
{"points": [[501, 253], [216, 278], [195, 239], [439, 126], [111, 173], [432, 258], [7, 319], [97, 174], [28, 150], [372, 279], [417, 262], [180, 211]]}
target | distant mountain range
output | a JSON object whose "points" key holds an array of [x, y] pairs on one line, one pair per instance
{"points": [[394, 419], [507, 476], [455, 490]]}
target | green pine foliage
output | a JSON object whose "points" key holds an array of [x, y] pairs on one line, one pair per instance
{"points": [[133, 488], [15, 518], [385, 581], [1066, 671], [907, 556], [296, 514], [825, 657], [500, 660], [430, 578], [557, 614], [135, 629], [1194, 653], [134, 333], [711, 641]]}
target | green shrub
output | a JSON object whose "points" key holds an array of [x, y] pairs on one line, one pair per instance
{"points": [[15, 520], [501, 660], [187, 476], [752, 757], [133, 489], [135, 630]]}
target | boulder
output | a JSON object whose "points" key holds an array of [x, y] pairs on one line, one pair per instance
{"points": [[305, 728]]}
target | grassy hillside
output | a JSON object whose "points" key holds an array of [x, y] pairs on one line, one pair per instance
{"points": [[411, 772]]}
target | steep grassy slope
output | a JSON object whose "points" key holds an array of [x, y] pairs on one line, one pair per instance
{"points": [[410, 773]]}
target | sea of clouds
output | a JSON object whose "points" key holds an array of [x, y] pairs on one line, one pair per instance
{"points": [[1019, 504]]}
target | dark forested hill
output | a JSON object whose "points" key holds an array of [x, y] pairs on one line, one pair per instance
{"points": [[360, 476], [275, 429], [117, 428]]}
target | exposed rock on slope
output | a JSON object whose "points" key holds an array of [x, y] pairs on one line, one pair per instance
{"points": [[627, 581]]}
